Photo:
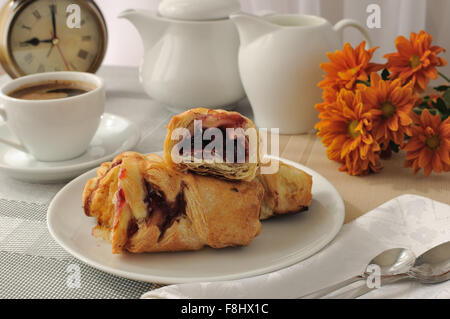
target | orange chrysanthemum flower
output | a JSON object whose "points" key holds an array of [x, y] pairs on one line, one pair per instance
{"points": [[345, 130], [395, 103], [429, 146], [416, 60], [329, 96], [348, 66]]}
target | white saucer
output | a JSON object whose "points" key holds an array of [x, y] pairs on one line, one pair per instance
{"points": [[114, 136], [283, 241]]}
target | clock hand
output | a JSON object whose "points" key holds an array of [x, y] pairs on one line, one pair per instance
{"points": [[50, 51], [56, 44], [36, 41], [53, 12]]}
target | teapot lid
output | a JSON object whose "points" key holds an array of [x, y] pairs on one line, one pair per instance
{"points": [[198, 9]]}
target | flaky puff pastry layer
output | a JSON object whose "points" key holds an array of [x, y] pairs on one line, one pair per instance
{"points": [[142, 205], [285, 192], [214, 118]]}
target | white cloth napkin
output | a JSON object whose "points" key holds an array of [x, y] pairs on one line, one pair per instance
{"points": [[408, 221]]}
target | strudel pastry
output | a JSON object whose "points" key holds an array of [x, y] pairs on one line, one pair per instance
{"points": [[191, 145], [286, 191], [142, 205]]}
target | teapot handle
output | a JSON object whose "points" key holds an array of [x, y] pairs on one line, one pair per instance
{"points": [[344, 23]]}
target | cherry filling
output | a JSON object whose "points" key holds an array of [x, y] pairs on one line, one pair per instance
{"points": [[120, 198], [123, 173], [161, 212], [222, 122], [115, 164]]}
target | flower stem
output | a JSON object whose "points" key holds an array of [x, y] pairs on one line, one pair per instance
{"points": [[444, 77]]}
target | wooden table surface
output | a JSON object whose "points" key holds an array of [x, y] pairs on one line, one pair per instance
{"points": [[362, 194]]}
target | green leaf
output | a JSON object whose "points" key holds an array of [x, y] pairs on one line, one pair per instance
{"points": [[394, 147], [385, 74], [440, 105], [424, 103], [366, 83], [418, 110], [442, 88], [434, 112], [446, 97]]}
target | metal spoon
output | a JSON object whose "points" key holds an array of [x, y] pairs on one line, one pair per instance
{"points": [[431, 267], [392, 262]]}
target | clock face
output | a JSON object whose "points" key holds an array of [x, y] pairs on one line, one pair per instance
{"points": [[41, 40]]}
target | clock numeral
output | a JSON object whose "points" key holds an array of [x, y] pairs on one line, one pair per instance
{"points": [[74, 68], [26, 27], [36, 14], [82, 54], [86, 38], [41, 68]]}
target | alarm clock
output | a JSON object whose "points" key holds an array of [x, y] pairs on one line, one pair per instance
{"points": [[51, 35]]}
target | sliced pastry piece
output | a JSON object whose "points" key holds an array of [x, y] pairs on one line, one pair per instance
{"points": [[286, 191], [213, 142], [142, 205]]}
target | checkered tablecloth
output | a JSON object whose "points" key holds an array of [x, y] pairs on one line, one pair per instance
{"points": [[32, 264]]}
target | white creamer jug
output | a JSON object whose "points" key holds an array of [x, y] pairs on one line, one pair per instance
{"points": [[279, 61]]}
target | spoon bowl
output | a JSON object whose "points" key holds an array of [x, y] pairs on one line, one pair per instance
{"points": [[433, 266], [394, 261]]}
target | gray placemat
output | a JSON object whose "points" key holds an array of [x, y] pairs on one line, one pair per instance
{"points": [[33, 265]]}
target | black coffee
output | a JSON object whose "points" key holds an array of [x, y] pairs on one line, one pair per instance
{"points": [[50, 90]]}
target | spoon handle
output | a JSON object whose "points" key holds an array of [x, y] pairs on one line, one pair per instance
{"points": [[362, 290], [325, 291]]}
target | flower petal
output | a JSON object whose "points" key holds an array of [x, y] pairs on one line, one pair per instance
{"points": [[425, 157]]}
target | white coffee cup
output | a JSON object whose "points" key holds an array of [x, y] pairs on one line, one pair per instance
{"points": [[57, 129]]}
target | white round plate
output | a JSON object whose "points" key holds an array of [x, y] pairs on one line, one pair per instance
{"points": [[283, 241], [114, 136]]}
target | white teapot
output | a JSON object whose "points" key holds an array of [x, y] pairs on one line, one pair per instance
{"points": [[190, 53]]}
